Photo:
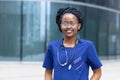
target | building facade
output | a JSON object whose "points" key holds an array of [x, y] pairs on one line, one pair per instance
{"points": [[26, 27]]}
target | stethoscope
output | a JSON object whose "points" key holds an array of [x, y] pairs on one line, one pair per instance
{"points": [[58, 56], [66, 56]]}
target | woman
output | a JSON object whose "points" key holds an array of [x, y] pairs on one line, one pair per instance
{"points": [[71, 57]]}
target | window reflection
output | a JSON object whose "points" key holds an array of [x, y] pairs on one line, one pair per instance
{"points": [[33, 30], [37, 18]]}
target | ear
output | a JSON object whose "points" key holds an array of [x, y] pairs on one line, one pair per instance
{"points": [[79, 26]]}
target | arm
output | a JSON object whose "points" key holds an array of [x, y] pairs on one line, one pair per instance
{"points": [[48, 74], [96, 74]]}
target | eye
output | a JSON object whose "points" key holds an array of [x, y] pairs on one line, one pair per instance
{"points": [[64, 24], [73, 24]]}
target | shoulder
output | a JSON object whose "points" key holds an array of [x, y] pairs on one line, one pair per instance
{"points": [[88, 42], [55, 42]]}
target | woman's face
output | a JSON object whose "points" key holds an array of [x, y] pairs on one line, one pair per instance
{"points": [[70, 25]]}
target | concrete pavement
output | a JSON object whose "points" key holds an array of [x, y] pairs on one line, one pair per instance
{"points": [[21, 71], [34, 70], [111, 70]]}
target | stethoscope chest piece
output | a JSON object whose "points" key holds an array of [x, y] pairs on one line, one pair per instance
{"points": [[69, 67]]}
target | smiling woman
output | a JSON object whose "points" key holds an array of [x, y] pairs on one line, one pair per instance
{"points": [[71, 56]]}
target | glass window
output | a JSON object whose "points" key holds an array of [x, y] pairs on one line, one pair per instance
{"points": [[118, 35], [26, 28], [91, 25], [103, 32], [10, 23], [33, 30], [112, 34], [106, 3]]}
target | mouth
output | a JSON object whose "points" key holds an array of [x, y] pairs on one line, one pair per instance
{"points": [[69, 31]]}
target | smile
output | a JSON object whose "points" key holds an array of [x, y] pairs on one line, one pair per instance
{"points": [[69, 31]]}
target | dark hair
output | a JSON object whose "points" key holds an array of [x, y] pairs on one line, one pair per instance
{"points": [[74, 11]]}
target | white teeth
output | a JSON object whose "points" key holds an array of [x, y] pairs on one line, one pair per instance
{"points": [[69, 31]]}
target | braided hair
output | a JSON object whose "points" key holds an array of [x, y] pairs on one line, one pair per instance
{"points": [[71, 10]]}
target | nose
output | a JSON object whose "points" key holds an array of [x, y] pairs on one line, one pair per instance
{"points": [[69, 26]]}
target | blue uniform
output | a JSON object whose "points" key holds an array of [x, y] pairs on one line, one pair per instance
{"points": [[85, 56]]}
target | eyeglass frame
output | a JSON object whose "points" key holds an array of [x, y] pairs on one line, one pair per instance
{"points": [[71, 24]]}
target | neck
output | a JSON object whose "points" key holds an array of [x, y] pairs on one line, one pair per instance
{"points": [[69, 42]]}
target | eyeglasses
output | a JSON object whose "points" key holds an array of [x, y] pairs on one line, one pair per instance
{"points": [[66, 24]]}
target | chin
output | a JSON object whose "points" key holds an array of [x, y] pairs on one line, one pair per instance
{"points": [[69, 36]]}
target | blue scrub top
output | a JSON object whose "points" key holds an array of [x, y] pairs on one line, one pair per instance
{"points": [[85, 56]]}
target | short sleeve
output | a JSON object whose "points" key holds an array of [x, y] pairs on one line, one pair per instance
{"points": [[92, 57], [48, 60]]}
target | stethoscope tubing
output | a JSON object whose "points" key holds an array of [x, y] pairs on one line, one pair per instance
{"points": [[66, 54]]}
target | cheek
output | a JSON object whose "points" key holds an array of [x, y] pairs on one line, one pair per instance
{"points": [[62, 30], [77, 28]]}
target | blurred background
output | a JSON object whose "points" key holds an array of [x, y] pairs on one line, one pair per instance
{"points": [[26, 28]]}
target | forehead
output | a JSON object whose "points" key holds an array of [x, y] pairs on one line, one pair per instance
{"points": [[69, 16]]}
